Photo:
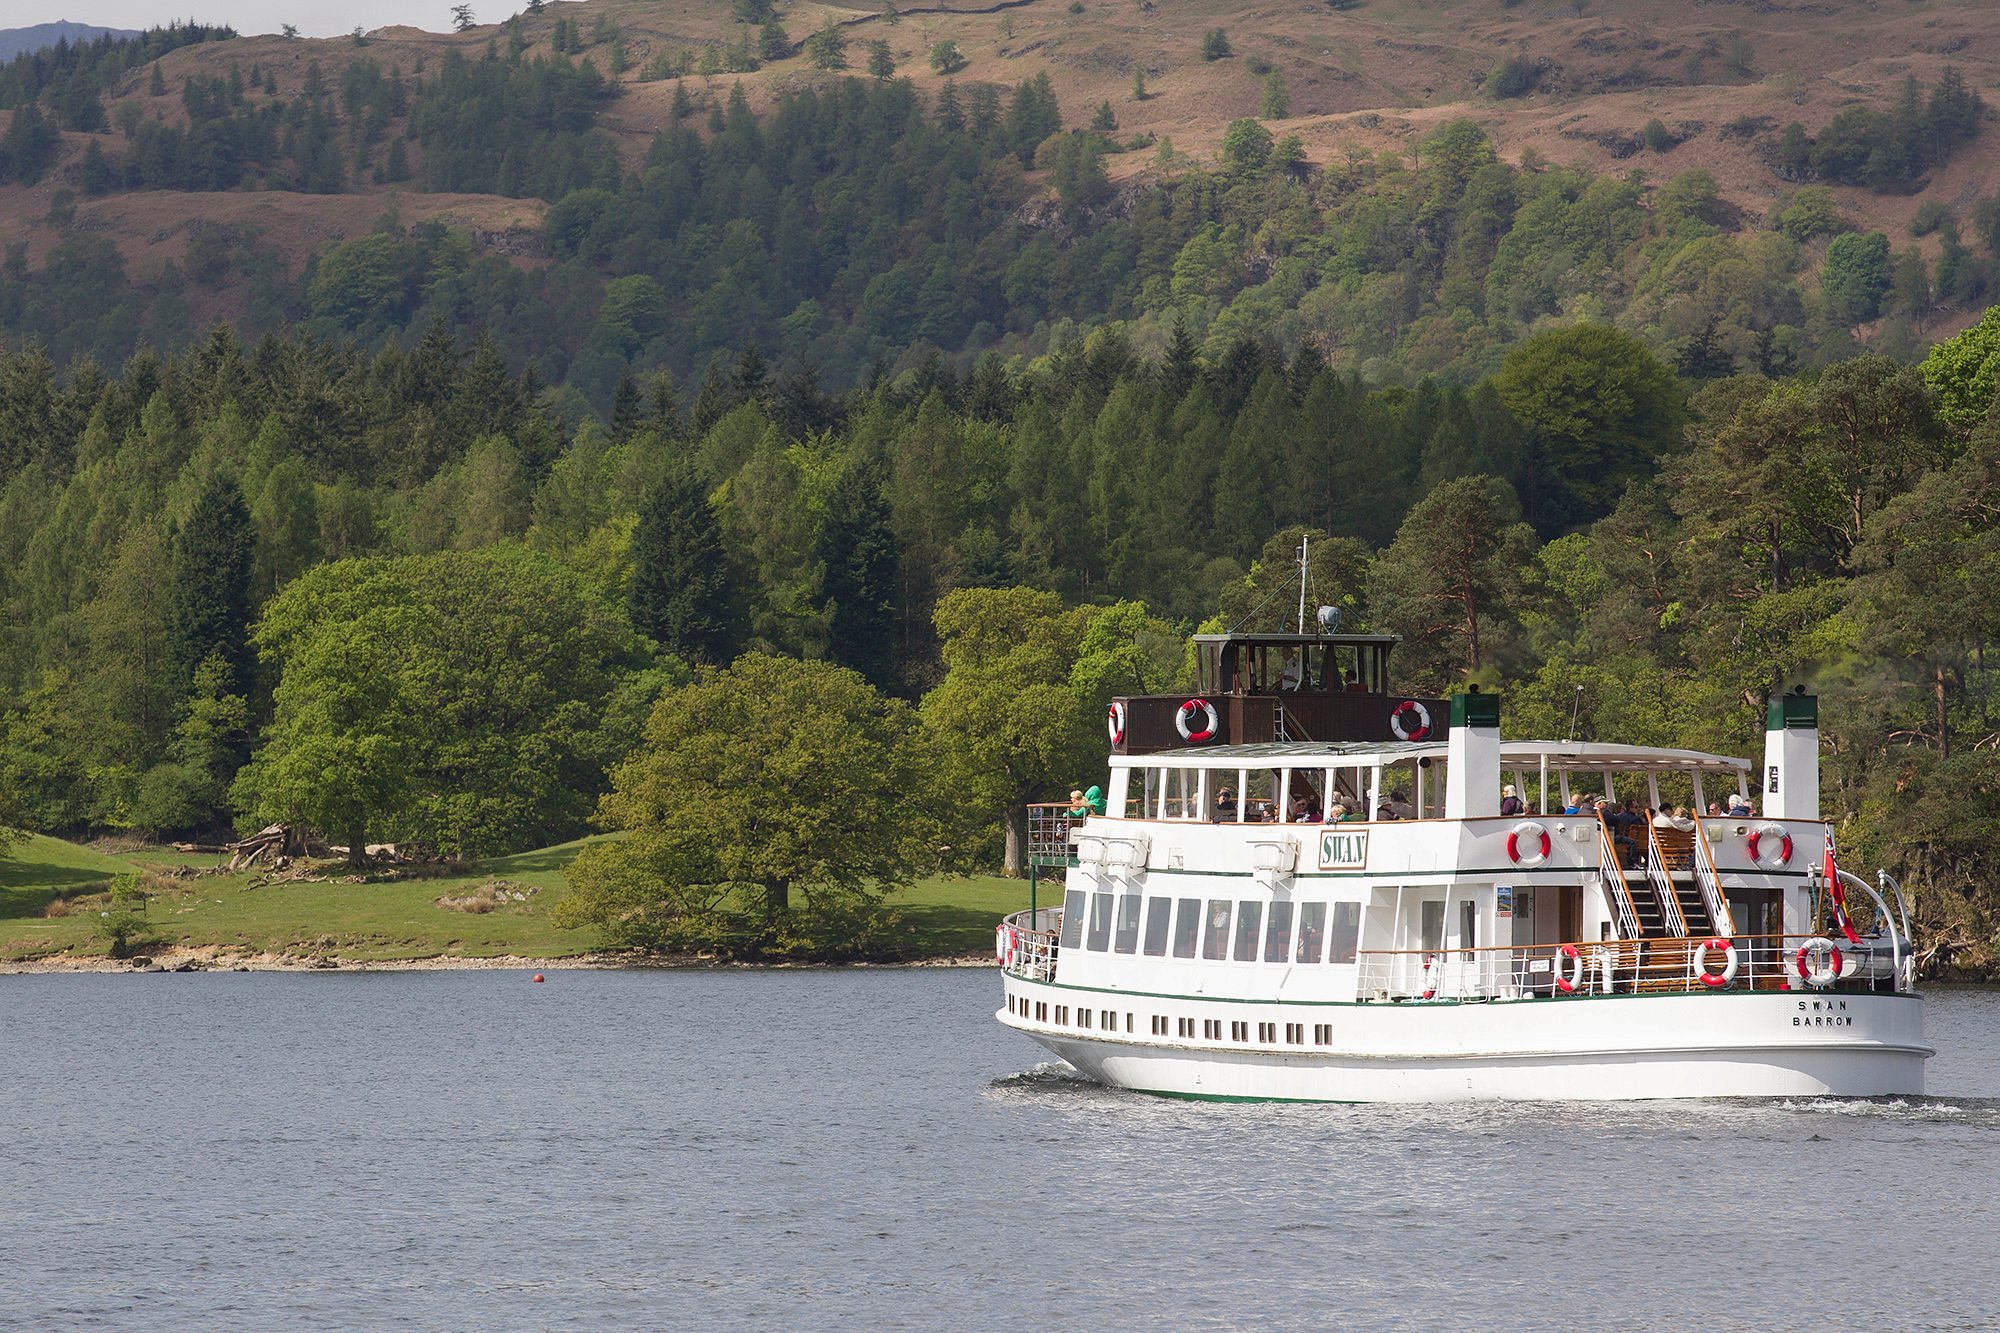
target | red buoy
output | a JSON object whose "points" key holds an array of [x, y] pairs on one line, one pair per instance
{"points": [[538, 978]]}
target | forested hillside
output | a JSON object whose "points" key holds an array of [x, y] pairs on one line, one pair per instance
{"points": [[444, 517]]}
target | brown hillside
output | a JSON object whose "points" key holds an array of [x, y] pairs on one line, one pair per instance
{"points": [[1372, 78]]}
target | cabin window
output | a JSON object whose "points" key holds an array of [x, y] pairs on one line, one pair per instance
{"points": [[1041, 1011], [1183, 794], [1267, 1032], [1108, 1020], [1225, 804], [1211, 1028], [1062, 1015], [1249, 917], [1278, 933], [1295, 1034], [1184, 1027], [1159, 1025], [1187, 927], [1072, 921], [1468, 928], [1430, 933], [1159, 920], [1128, 924], [1215, 938], [1083, 1018], [1239, 1032], [1100, 922], [1346, 932], [1312, 932], [1322, 1034]]}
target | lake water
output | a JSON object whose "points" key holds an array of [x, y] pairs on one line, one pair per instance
{"points": [[868, 1148]]}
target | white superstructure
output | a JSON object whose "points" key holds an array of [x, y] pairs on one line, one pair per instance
{"points": [[1215, 940]]}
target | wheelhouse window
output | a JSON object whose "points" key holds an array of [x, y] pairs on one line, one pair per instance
{"points": [[1187, 927], [1346, 932], [1278, 932], [1312, 932], [1159, 924], [1215, 937], [1127, 939], [1072, 921], [1468, 929], [1249, 917], [1100, 922]]}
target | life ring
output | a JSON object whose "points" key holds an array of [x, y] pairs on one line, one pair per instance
{"points": [[1528, 845], [1000, 944], [1185, 717], [1568, 978], [1819, 962], [1758, 845], [1729, 962], [1114, 721], [1402, 712], [1431, 970]]}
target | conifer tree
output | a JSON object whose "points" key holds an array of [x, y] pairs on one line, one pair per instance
{"points": [[681, 595], [625, 419], [860, 567], [208, 599]]}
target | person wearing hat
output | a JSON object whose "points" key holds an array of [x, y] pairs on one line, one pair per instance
{"points": [[1510, 801], [1094, 798]]}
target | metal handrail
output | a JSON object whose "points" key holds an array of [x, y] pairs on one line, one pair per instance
{"points": [[1662, 881], [1709, 879], [1609, 871]]}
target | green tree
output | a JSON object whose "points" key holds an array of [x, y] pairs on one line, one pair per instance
{"points": [[681, 595], [881, 60], [773, 42], [1275, 103], [946, 58], [1856, 276], [1246, 147], [768, 812], [1215, 45], [858, 558], [1960, 372], [827, 47], [1598, 407], [452, 699], [1007, 717], [461, 18], [1450, 582], [208, 602]]}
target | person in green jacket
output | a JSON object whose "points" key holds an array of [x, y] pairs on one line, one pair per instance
{"points": [[1094, 798]]}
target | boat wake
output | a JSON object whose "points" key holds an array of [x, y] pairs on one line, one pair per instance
{"points": [[1974, 1112]]}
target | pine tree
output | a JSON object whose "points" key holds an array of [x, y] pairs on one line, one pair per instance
{"points": [[625, 404], [208, 598], [1276, 103], [681, 595], [881, 61], [860, 568]]}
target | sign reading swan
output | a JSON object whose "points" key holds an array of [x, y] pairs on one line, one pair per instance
{"points": [[1343, 847]]}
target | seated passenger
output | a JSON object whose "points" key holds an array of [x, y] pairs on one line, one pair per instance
{"points": [[1225, 806], [1400, 804], [1338, 814], [1077, 808], [1305, 811], [1739, 806], [1677, 818], [1386, 810], [1094, 798], [1511, 803]]}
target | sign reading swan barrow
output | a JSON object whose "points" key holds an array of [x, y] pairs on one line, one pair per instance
{"points": [[1338, 848]]}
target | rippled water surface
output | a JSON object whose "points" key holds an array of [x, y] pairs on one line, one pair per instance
{"points": [[869, 1149]]}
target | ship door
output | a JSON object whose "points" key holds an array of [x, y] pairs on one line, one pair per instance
{"points": [[1760, 926]]}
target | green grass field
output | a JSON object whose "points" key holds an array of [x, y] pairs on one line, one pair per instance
{"points": [[378, 920]]}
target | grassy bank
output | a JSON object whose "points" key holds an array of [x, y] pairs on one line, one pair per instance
{"points": [[52, 894]]}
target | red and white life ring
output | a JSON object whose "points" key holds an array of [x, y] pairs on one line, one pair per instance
{"points": [[1401, 717], [1114, 721], [1770, 845], [1431, 970], [1003, 943], [1729, 962], [1528, 845], [1568, 978], [1184, 721], [1819, 962]]}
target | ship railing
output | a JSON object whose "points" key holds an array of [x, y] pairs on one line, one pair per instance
{"points": [[1028, 943], [1709, 880], [1049, 823], [1611, 873], [1593, 968]]}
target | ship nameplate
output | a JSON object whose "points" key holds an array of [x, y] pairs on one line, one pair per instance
{"points": [[1343, 848]]}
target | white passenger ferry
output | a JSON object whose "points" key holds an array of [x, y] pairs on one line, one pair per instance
{"points": [[1217, 939]]}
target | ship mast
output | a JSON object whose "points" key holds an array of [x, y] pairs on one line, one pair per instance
{"points": [[1304, 543]]}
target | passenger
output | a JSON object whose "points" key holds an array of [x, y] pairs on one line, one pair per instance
{"points": [[1739, 806], [1078, 808], [1400, 803], [1511, 803], [1305, 811], [1225, 806], [1337, 814], [1715, 810], [1094, 798], [1677, 818]]}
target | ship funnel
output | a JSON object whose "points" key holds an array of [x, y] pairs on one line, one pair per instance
{"points": [[1472, 770], [1791, 756]]}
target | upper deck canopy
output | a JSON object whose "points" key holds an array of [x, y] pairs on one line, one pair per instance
{"points": [[1569, 756]]}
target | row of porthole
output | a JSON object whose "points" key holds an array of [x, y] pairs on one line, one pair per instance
{"points": [[1211, 1029]]}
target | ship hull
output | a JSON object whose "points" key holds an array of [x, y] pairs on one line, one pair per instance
{"points": [[1780, 1044]]}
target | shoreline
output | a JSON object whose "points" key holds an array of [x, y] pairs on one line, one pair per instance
{"points": [[217, 960]]}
